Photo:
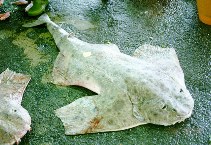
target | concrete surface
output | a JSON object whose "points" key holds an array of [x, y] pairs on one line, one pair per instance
{"points": [[129, 24]]}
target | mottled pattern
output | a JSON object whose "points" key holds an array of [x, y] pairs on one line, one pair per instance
{"points": [[146, 88], [14, 119]]}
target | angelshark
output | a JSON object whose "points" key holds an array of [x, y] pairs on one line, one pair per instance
{"points": [[148, 87], [15, 121]]}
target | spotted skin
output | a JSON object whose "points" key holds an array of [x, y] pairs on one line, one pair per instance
{"points": [[14, 119], [131, 90]]}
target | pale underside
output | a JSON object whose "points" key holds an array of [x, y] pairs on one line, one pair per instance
{"points": [[148, 87], [14, 119]]}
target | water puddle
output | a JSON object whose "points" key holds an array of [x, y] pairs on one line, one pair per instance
{"points": [[78, 23]]}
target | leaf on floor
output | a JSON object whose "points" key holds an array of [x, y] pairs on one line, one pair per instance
{"points": [[20, 2], [4, 16], [1, 2]]}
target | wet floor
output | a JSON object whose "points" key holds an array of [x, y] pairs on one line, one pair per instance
{"points": [[129, 24]]}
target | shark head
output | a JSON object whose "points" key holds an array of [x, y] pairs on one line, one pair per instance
{"points": [[168, 110], [163, 102]]}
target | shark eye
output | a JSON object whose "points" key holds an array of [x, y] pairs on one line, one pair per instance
{"points": [[164, 107], [181, 90]]}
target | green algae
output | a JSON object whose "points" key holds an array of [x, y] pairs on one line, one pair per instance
{"points": [[46, 143], [47, 76], [46, 35], [5, 34], [31, 49]]}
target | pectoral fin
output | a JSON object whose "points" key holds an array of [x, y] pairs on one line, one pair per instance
{"points": [[100, 113], [163, 59], [77, 116]]}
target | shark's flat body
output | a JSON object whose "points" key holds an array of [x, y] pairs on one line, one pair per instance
{"points": [[146, 88], [14, 119]]}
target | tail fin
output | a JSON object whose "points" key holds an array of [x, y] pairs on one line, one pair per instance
{"points": [[41, 20]]}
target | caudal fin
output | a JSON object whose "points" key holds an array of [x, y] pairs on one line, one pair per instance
{"points": [[41, 20]]}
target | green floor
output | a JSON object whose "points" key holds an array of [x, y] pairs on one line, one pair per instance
{"points": [[129, 24]]}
